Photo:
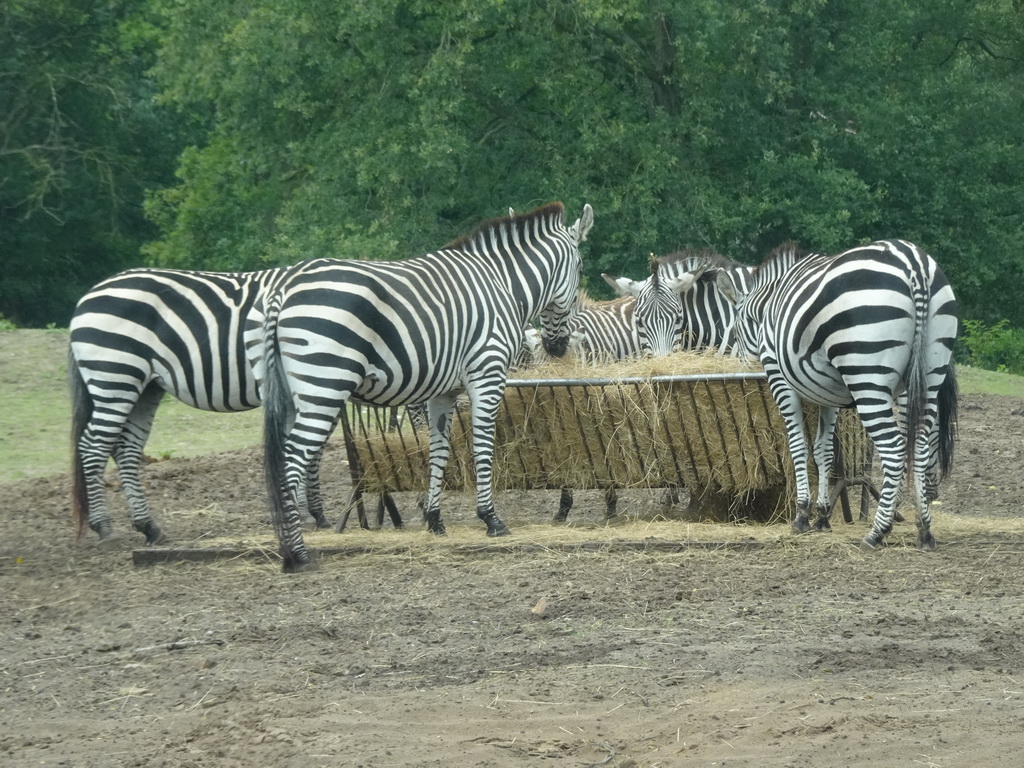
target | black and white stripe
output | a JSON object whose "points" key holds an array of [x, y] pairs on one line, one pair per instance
{"points": [[668, 312], [680, 304], [861, 328], [603, 331], [135, 336], [402, 332]]}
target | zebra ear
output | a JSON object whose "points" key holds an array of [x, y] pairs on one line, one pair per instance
{"points": [[582, 225], [727, 288], [682, 283], [511, 212], [623, 285]]}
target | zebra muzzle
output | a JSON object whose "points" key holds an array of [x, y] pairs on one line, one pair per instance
{"points": [[557, 346]]}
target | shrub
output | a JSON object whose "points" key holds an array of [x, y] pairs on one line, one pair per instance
{"points": [[996, 347]]}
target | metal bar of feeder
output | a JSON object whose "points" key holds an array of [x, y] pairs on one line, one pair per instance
{"points": [[665, 379]]}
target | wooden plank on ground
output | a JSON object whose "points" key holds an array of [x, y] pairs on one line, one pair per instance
{"points": [[162, 555]]}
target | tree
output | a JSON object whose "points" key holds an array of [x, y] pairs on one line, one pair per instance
{"points": [[383, 129], [80, 139]]}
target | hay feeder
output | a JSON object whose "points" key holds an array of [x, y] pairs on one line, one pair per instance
{"points": [[717, 434]]}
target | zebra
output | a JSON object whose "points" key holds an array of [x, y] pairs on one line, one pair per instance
{"points": [[691, 313], [861, 328], [603, 331], [607, 331], [135, 336], [403, 332]]}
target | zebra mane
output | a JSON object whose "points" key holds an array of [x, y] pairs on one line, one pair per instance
{"points": [[690, 260], [779, 260], [520, 222], [586, 301], [655, 279]]}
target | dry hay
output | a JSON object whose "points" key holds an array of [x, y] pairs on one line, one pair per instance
{"points": [[615, 425], [656, 538]]}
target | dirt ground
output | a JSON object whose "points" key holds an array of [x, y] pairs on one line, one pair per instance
{"points": [[800, 651]]}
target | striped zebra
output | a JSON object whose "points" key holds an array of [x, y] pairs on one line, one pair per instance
{"points": [[603, 331], [692, 313], [606, 332], [135, 336], [861, 328], [396, 333]]}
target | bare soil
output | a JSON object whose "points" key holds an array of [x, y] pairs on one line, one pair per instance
{"points": [[800, 652]]}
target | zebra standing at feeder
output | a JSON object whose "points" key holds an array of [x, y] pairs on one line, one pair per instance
{"points": [[607, 332], [860, 328], [697, 317], [135, 336], [402, 332]]}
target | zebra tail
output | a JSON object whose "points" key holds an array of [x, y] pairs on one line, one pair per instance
{"points": [[277, 408], [948, 397], [81, 412], [917, 376]]}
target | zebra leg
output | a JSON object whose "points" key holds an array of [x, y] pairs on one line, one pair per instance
{"points": [[439, 418], [95, 447], [94, 450], [485, 397], [128, 457], [565, 502], [793, 416], [291, 446], [926, 477], [881, 425], [925, 538], [313, 495], [823, 457]]}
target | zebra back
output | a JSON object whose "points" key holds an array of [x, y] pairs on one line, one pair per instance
{"points": [[747, 291], [604, 331], [181, 328]]}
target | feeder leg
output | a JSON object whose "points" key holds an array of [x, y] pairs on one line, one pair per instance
{"points": [[564, 506]]}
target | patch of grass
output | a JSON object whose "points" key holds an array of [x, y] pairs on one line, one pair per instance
{"points": [[978, 381], [35, 409], [35, 417]]}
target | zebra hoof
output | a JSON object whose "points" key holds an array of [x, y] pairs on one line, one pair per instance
{"points": [[105, 530], [869, 544], [822, 524], [153, 533], [322, 522], [298, 562], [801, 525], [437, 529], [926, 542], [496, 527]]}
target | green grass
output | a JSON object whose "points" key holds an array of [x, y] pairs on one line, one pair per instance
{"points": [[34, 409], [978, 381], [35, 412]]}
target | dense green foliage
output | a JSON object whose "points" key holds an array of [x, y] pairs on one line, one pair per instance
{"points": [[382, 128], [80, 141], [996, 348]]}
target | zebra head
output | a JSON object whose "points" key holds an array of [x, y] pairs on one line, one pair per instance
{"points": [[750, 296], [557, 316], [747, 323], [658, 312]]}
